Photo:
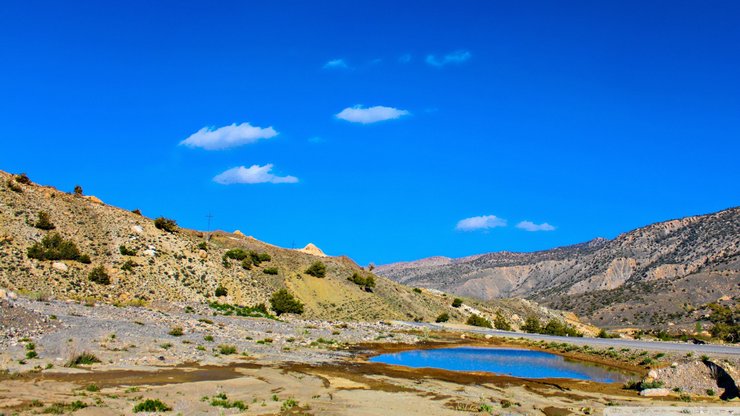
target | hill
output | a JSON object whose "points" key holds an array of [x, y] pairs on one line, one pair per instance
{"points": [[142, 264], [656, 275]]}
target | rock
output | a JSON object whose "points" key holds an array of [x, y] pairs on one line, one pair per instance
{"points": [[653, 374], [489, 336], [58, 265], [203, 254], [312, 250], [674, 364], [462, 336], [655, 392], [239, 233], [3, 294], [138, 229]]}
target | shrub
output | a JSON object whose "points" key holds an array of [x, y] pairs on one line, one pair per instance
{"points": [[555, 327], [270, 270], [136, 211], [443, 317], [78, 190], [283, 302], [227, 349], [221, 291], [500, 322], [125, 251], [457, 302], [166, 224], [85, 358], [220, 400], [151, 405], [44, 222], [475, 320], [84, 259], [128, 265], [99, 275], [23, 178], [247, 264], [316, 269], [532, 325], [367, 281], [236, 254], [203, 246], [31, 354], [14, 186], [208, 338], [54, 247], [176, 331], [417, 290]]}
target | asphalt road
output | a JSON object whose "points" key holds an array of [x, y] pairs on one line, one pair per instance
{"points": [[610, 342]]}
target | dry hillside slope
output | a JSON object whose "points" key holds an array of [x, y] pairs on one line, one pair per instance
{"points": [[188, 266], [651, 276]]}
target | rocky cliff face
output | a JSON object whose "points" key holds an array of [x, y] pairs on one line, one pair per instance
{"points": [[652, 275]]}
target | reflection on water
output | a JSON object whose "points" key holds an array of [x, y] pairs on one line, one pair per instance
{"points": [[513, 362]]}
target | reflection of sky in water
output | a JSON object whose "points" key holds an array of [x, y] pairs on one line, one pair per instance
{"points": [[517, 363]]}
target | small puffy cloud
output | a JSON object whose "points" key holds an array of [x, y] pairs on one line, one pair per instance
{"points": [[405, 58], [251, 175], [530, 226], [483, 222], [228, 136], [456, 57], [358, 114], [336, 64]]}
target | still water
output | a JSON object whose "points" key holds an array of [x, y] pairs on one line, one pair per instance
{"points": [[512, 362]]}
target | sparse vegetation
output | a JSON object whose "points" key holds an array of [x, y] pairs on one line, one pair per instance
{"points": [[257, 311], [151, 405], [54, 247], [236, 254], [43, 222], [166, 224], [457, 302], [128, 265], [477, 320], [99, 275], [221, 291], [221, 400], [125, 251], [270, 270], [23, 178], [78, 190], [443, 317], [417, 290], [176, 331], [283, 302], [85, 358], [316, 269], [367, 281], [226, 349], [500, 322]]}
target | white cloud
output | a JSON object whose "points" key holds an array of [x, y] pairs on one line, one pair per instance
{"points": [[336, 64], [251, 175], [358, 114], [456, 57], [228, 136], [530, 226], [482, 222]]}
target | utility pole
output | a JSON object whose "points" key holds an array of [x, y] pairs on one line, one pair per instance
{"points": [[210, 217]]}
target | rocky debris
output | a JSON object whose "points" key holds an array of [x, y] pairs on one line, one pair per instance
{"points": [[16, 322], [694, 377], [58, 265]]}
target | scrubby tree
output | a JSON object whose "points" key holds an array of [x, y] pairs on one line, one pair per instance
{"points": [[221, 291], [23, 178], [166, 224], [457, 302], [532, 324], [54, 247], [500, 322], [99, 275], [443, 317], [283, 302], [476, 320], [78, 190], [316, 269], [44, 222]]}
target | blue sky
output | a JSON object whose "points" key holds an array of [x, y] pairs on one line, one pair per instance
{"points": [[380, 130]]}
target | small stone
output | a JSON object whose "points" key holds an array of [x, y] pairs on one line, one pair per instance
{"points": [[202, 254]]}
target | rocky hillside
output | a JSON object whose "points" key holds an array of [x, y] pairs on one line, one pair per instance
{"points": [[654, 275], [144, 264]]}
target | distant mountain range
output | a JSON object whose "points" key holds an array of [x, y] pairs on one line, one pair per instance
{"points": [[652, 276]]}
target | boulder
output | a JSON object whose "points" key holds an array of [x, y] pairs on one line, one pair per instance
{"points": [[655, 392], [58, 265], [202, 254], [138, 229]]}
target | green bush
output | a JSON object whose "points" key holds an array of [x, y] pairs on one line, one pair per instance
{"points": [[99, 275], [283, 302], [500, 322], [443, 317], [203, 246], [54, 247], [417, 290], [151, 405], [236, 254], [221, 291], [227, 349], [78, 190], [475, 320], [125, 251], [457, 302], [270, 270], [532, 325], [176, 331], [316, 269], [166, 224], [85, 358], [247, 264], [44, 222], [366, 281], [128, 265], [555, 327]]}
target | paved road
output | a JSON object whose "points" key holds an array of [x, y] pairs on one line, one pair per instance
{"points": [[611, 342]]}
